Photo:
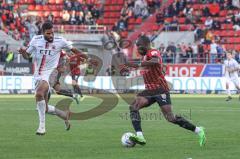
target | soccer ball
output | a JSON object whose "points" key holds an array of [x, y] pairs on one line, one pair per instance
{"points": [[126, 142]]}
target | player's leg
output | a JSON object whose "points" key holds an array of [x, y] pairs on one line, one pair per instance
{"points": [[164, 101], [65, 115], [41, 90], [59, 91], [139, 103], [228, 90], [76, 87]]}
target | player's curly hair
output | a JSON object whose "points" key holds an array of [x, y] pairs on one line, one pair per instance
{"points": [[47, 25]]}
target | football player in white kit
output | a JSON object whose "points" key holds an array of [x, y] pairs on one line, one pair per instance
{"points": [[45, 50], [231, 74]]}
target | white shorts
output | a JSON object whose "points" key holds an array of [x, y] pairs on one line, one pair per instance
{"points": [[235, 81], [38, 79]]}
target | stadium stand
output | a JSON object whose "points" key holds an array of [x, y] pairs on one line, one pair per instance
{"points": [[216, 24]]}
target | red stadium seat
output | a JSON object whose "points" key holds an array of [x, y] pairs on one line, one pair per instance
{"points": [[155, 27], [31, 7], [131, 21], [138, 20], [181, 20], [39, 8], [130, 27]]}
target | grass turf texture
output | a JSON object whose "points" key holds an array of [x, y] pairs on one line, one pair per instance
{"points": [[99, 138]]}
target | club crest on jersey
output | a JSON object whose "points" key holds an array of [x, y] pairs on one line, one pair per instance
{"points": [[53, 47]]}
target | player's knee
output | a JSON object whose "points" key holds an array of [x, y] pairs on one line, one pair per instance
{"points": [[131, 108], [170, 118], [39, 95]]}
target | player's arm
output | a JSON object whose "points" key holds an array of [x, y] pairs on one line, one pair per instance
{"points": [[153, 61], [27, 52], [236, 68], [79, 53], [24, 53]]}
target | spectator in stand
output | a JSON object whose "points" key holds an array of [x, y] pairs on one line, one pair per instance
{"points": [[237, 57], [216, 24], [115, 27], [209, 37], [171, 11], [213, 52], [72, 19], [141, 6], [32, 29], [1, 53], [65, 17], [16, 35], [208, 23], [178, 54], [122, 24], [188, 11], [89, 19], [151, 6], [183, 55], [174, 24], [230, 17], [198, 33], [228, 4], [80, 18], [236, 23], [125, 11], [220, 53], [171, 52], [67, 5], [50, 17], [197, 16], [189, 52], [201, 53], [161, 48], [95, 12], [205, 11], [76, 6], [137, 11], [38, 24], [159, 17], [195, 52], [214, 9]]}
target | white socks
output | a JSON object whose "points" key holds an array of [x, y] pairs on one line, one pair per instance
{"points": [[51, 110], [139, 133], [54, 111], [197, 130], [41, 106]]}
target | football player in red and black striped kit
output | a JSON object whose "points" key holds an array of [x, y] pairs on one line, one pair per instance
{"points": [[156, 90]]}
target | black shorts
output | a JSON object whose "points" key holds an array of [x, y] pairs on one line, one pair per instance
{"points": [[75, 77], [160, 96]]}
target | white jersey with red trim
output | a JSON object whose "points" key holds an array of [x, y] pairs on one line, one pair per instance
{"points": [[46, 55]]}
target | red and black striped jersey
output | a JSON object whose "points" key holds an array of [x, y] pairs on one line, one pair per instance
{"points": [[153, 75]]}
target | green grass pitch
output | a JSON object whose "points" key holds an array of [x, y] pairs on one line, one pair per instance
{"points": [[99, 138]]}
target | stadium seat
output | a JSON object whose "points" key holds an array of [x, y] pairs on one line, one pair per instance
{"points": [[138, 21], [31, 7], [155, 27], [130, 27]]}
